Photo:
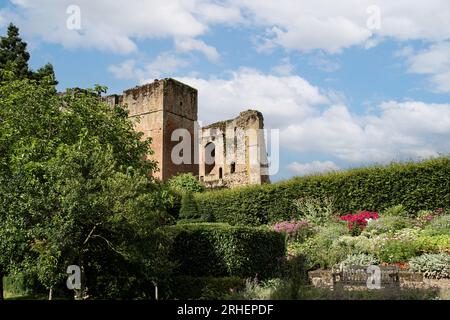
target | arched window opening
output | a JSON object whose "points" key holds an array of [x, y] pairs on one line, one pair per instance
{"points": [[210, 157]]}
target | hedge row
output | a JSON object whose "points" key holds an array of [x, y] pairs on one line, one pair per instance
{"points": [[421, 185], [210, 288], [221, 250]]}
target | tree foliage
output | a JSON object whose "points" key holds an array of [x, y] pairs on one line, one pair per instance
{"points": [[185, 182], [14, 59], [75, 189]]}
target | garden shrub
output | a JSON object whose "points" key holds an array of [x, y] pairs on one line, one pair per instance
{"points": [[395, 211], [396, 251], [316, 211], [322, 250], [416, 186], [357, 245], [433, 244], [388, 224], [296, 231], [219, 250], [185, 182], [203, 288], [424, 217], [361, 259], [438, 226], [357, 222], [188, 208], [282, 289], [432, 265]]}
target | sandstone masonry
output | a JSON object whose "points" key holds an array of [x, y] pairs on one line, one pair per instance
{"points": [[224, 154]]}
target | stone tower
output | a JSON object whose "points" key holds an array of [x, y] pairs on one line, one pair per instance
{"points": [[163, 106], [233, 153], [224, 154]]}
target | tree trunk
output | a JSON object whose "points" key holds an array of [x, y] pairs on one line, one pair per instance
{"points": [[1, 285], [50, 294], [80, 294]]}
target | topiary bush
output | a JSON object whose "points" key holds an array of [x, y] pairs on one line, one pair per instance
{"points": [[188, 208], [220, 250], [415, 185], [432, 265]]}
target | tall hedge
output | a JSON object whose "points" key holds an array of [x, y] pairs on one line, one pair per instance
{"points": [[416, 185], [221, 250]]}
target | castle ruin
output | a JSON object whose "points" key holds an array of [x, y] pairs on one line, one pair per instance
{"points": [[224, 154]]}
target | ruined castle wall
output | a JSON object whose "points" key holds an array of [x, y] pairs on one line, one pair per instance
{"points": [[145, 106], [159, 108], [162, 107], [180, 111], [240, 150]]}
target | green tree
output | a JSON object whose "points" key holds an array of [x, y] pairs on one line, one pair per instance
{"points": [[75, 189], [185, 182], [14, 59], [46, 75], [13, 54]]}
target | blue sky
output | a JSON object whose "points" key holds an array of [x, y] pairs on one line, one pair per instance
{"points": [[347, 83]]}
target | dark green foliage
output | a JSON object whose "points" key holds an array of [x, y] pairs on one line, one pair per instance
{"points": [[188, 208], [13, 54], [46, 75], [14, 60], [212, 249], [74, 189], [202, 288], [416, 186], [185, 182]]}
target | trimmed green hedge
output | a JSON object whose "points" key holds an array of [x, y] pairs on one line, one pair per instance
{"points": [[210, 288], [421, 185], [221, 250]]}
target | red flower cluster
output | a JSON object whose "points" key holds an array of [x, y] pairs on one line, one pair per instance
{"points": [[360, 218]]}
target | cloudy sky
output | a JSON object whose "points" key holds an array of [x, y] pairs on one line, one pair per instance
{"points": [[347, 83]]}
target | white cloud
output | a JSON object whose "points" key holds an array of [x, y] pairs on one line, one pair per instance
{"points": [[324, 63], [2, 18], [311, 120], [312, 167], [277, 97], [433, 62], [335, 25], [400, 131], [189, 44], [164, 65], [125, 70], [284, 68], [302, 25], [115, 25]]}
